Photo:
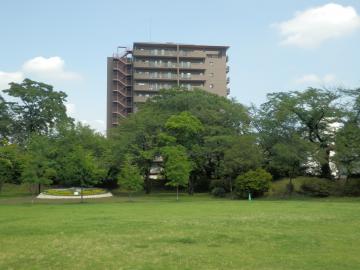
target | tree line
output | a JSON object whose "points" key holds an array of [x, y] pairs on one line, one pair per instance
{"points": [[205, 142]]}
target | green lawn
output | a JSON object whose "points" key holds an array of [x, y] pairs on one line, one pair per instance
{"points": [[199, 232]]}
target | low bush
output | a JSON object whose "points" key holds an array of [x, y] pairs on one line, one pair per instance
{"points": [[352, 187], [218, 192], [70, 191], [218, 183], [255, 182], [317, 187]]}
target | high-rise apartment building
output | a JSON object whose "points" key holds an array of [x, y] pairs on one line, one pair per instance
{"points": [[140, 72]]}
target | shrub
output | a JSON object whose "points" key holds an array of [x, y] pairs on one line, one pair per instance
{"points": [[218, 192], [218, 183], [317, 187], [70, 191], [255, 182], [352, 187]]}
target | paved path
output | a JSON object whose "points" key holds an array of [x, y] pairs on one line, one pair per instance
{"points": [[46, 196]]}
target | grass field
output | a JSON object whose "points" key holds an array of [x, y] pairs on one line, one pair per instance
{"points": [[199, 232]]}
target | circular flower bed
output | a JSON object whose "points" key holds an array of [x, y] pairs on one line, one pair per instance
{"points": [[74, 191]]}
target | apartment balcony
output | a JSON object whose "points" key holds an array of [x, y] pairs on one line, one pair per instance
{"points": [[227, 80], [163, 77], [198, 66], [146, 87], [227, 69], [228, 91], [192, 54], [140, 99], [149, 65], [152, 53], [193, 78]]}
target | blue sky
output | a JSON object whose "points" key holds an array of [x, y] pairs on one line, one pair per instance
{"points": [[277, 45]]}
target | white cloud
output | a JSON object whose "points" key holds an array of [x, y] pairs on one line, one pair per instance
{"points": [[314, 26], [100, 122], [7, 77], [311, 79], [52, 68], [70, 109], [98, 125], [49, 70]]}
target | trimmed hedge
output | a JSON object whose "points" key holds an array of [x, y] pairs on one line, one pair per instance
{"points": [[317, 187], [70, 192], [218, 192]]}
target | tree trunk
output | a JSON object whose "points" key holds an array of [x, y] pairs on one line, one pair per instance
{"points": [[177, 192], [191, 185], [147, 184], [230, 186], [291, 186], [39, 188], [325, 167]]}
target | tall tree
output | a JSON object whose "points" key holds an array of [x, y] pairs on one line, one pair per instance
{"points": [[186, 130], [6, 122], [81, 156], [177, 167], [39, 163], [290, 157], [242, 155], [38, 108], [347, 149], [130, 178], [12, 161], [145, 132], [312, 113], [79, 169], [347, 143]]}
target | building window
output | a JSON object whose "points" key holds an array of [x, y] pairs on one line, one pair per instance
{"points": [[211, 63], [211, 74], [211, 85]]}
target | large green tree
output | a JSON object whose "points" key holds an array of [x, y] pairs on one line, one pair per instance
{"points": [[130, 178], [187, 130], [82, 157], [39, 164], [312, 114], [180, 117], [12, 161], [6, 122], [290, 157], [347, 149], [36, 108], [243, 154], [177, 167]]}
